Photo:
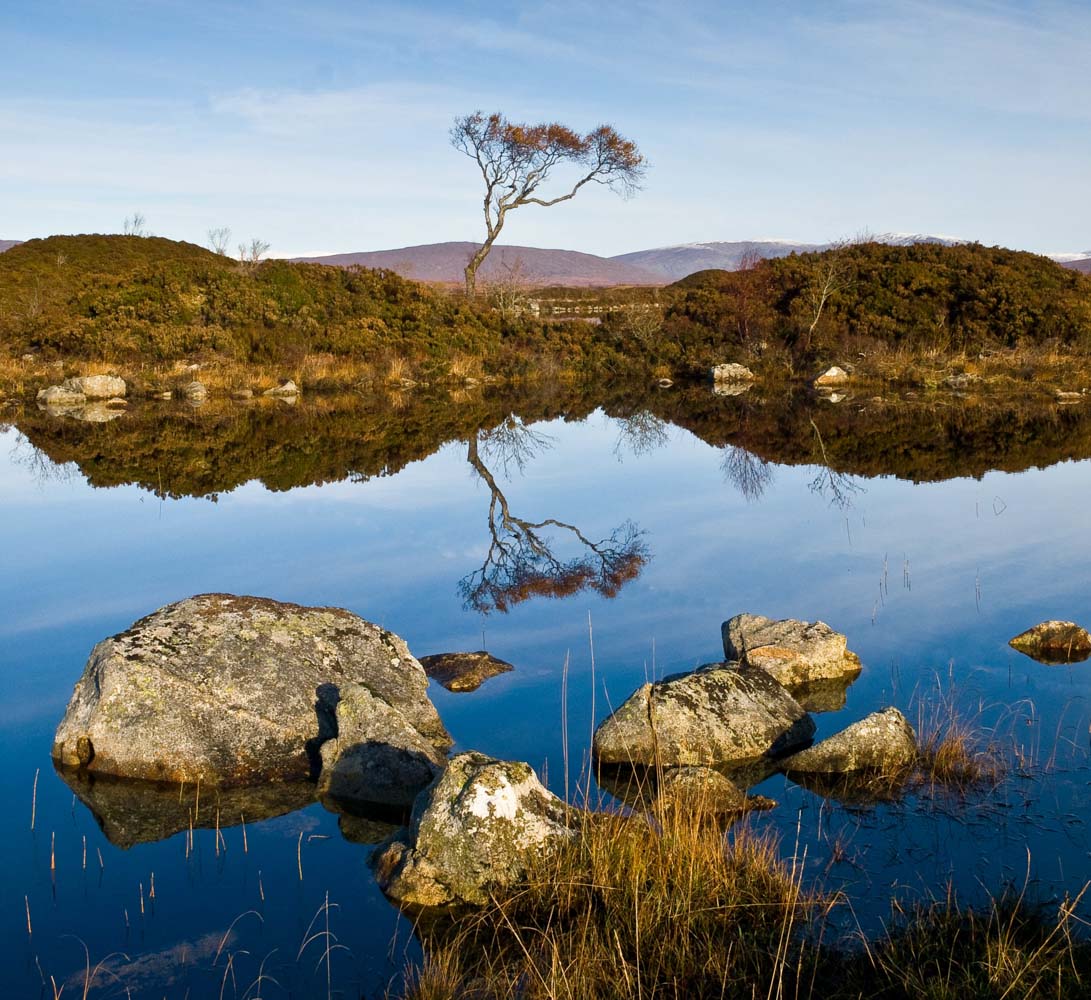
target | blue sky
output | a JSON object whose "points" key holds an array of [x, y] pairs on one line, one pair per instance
{"points": [[322, 127]]}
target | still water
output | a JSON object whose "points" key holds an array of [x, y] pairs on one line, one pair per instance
{"points": [[928, 533]]}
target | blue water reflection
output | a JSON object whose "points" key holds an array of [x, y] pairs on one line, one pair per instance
{"points": [[928, 581]]}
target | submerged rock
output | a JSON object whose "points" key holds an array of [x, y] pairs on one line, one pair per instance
{"points": [[717, 715], [884, 743], [234, 690], [377, 755], [97, 386], [796, 653], [703, 788], [474, 830], [463, 671], [1054, 642]]}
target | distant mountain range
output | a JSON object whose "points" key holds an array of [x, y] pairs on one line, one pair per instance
{"points": [[443, 263]]}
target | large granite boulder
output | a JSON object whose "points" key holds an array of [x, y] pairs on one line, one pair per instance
{"points": [[96, 386], [795, 653], [732, 372], [377, 757], [234, 689], [463, 671], [476, 829], [717, 715], [1054, 642], [882, 743]]}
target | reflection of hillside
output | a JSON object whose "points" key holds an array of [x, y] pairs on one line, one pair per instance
{"points": [[175, 451]]}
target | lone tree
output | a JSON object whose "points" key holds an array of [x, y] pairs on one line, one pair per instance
{"points": [[516, 161]]}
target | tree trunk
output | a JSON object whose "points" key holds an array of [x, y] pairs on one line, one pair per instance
{"points": [[474, 263]]}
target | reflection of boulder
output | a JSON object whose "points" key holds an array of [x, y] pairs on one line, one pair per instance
{"points": [[377, 755], [234, 690], [638, 787], [883, 743], [793, 652], [717, 715], [463, 671], [366, 829], [474, 830], [1054, 642], [861, 789], [139, 812], [828, 695]]}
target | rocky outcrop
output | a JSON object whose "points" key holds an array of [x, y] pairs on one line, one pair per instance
{"points": [[717, 715], [463, 671], [377, 757], [795, 653], [1054, 642], [883, 743], [476, 829], [234, 689], [96, 386], [732, 373]]}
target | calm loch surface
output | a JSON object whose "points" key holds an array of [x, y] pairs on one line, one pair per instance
{"points": [[929, 533]]}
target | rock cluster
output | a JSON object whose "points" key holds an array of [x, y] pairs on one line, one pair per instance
{"points": [[795, 653]]}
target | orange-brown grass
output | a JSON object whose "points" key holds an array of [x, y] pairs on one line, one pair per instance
{"points": [[666, 905], [957, 753]]}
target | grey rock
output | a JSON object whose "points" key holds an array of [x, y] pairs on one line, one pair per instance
{"points": [[718, 715], [702, 787], [732, 373], [464, 671], [243, 394], [795, 653], [232, 689], [884, 742], [97, 386], [475, 830], [60, 397], [288, 388], [194, 392], [832, 376], [377, 756], [1054, 642]]}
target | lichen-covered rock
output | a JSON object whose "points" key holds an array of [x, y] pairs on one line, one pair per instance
{"points": [[59, 397], [463, 671], [473, 831], [1054, 642], [732, 373], [377, 756], [884, 742], [795, 653], [97, 386], [717, 715], [233, 689]]}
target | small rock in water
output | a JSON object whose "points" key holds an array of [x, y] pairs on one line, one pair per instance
{"points": [[832, 376], [194, 392], [463, 671], [717, 715], [732, 373], [243, 394], [288, 388], [474, 830], [60, 397], [1054, 642], [882, 743], [796, 653], [704, 788]]}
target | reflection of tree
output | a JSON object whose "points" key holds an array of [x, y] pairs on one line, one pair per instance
{"points": [[747, 472], [640, 433], [839, 487], [520, 562]]}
